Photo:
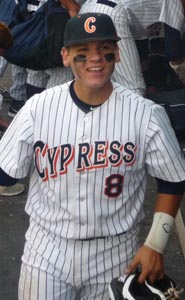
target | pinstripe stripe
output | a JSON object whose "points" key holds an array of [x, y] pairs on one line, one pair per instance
{"points": [[18, 87], [3, 65], [107, 2], [58, 76], [33, 5], [146, 12], [37, 78]]}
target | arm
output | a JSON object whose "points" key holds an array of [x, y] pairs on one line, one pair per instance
{"points": [[71, 6], [127, 72], [164, 160], [151, 261]]}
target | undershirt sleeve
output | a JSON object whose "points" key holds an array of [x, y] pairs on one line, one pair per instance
{"points": [[6, 180], [173, 188]]}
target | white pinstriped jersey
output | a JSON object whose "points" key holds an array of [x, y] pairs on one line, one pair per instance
{"points": [[89, 171], [37, 78], [128, 71], [142, 14], [33, 5], [18, 87], [36, 5]]}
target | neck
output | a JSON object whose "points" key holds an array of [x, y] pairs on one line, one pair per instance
{"points": [[93, 96]]}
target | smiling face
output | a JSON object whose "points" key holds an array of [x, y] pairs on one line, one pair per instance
{"points": [[92, 63]]}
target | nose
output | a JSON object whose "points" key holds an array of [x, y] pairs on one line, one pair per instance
{"points": [[95, 55]]}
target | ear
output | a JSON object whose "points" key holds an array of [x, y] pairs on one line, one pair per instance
{"points": [[65, 57], [117, 56]]}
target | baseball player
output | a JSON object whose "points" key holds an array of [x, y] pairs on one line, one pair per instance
{"points": [[133, 19], [17, 89], [128, 70], [6, 42], [88, 146], [37, 81], [171, 14]]}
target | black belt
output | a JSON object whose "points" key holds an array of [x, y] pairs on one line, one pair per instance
{"points": [[107, 2]]}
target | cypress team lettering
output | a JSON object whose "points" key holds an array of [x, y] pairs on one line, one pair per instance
{"points": [[52, 162]]}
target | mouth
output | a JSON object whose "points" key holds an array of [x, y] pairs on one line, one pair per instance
{"points": [[95, 69]]}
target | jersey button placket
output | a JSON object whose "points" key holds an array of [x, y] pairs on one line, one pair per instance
{"points": [[85, 136], [81, 175]]}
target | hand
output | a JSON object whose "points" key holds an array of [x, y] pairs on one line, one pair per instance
{"points": [[71, 6], [151, 263]]}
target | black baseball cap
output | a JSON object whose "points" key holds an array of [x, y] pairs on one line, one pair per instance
{"points": [[89, 27]]}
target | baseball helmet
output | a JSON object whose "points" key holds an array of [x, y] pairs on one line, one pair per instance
{"points": [[89, 27], [128, 288]]}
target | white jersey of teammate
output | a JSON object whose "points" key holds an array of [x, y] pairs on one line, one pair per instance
{"points": [[142, 14], [131, 19], [89, 174], [35, 4]]}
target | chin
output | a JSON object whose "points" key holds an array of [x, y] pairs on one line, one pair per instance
{"points": [[97, 83]]}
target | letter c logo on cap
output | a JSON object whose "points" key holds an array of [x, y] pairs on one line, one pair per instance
{"points": [[88, 25]]}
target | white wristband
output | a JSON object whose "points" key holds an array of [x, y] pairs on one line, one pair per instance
{"points": [[159, 233]]}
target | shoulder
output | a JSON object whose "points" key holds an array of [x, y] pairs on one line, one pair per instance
{"points": [[136, 104], [47, 98], [51, 93], [129, 95]]}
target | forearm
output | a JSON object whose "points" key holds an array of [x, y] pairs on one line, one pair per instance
{"points": [[168, 203], [71, 6]]}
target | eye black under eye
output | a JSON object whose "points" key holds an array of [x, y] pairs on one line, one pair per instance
{"points": [[80, 58], [109, 57]]}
